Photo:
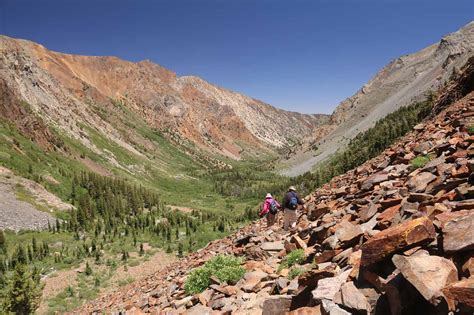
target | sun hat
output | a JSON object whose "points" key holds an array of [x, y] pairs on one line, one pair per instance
{"points": [[268, 196], [292, 188]]}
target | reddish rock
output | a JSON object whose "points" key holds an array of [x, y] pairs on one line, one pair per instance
{"points": [[315, 212], [419, 182], [315, 310], [397, 238], [347, 232], [458, 233], [251, 281], [374, 180], [276, 305], [367, 212], [328, 287], [428, 274], [310, 278], [353, 298], [326, 255], [298, 241], [468, 267], [386, 218], [461, 291]]}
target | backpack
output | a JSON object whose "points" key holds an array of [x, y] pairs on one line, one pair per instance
{"points": [[293, 202], [273, 207]]}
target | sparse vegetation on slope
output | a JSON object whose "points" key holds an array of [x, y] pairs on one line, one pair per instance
{"points": [[227, 269]]}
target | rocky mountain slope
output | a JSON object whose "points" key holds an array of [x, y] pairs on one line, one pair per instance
{"points": [[400, 83], [68, 91], [393, 236]]}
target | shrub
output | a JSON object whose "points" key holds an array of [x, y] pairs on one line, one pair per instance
{"points": [[295, 272], [419, 161], [470, 130], [295, 257], [225, 268]]}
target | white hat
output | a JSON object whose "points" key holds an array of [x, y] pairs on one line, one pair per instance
{"points": [[268, 196], [292, 188]]}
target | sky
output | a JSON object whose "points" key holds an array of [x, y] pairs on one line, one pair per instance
{"points": [[299, 55]]}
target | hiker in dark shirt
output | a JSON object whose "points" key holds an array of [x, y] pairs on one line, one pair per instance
{"points": [[290, 204]]}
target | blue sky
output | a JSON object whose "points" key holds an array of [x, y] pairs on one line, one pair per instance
{"points": [[299, 55]]}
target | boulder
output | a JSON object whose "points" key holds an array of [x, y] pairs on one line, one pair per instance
{"points": [[374, 180], [276, 305], [461, 291], [298, 241], [367, 212], [419, 182], [199, 309], [389, 216], [315, 310], [347, 232], [273, 246], [428, 274], [468, 267], [353, 298], [315, 212], [458, 233], [251, 281], [312, 277], [332, 308], [328, 287], [397, 238]]}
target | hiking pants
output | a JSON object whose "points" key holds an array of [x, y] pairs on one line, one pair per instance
{"points": [[289, 219], [271, 218]]}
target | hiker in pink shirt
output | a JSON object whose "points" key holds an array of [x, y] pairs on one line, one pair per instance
{"points": [[270, 209]]}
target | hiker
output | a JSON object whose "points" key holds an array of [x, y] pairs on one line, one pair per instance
{"points": [[290, 204], [270, 209]]}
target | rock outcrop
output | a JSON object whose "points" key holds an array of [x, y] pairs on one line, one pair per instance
{"points": [[377, 240], [403, 81]]}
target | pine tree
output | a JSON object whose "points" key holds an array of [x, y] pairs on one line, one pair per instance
{"points": [[3, 242], [88, 270], [124, 256], [23, 294], [180, 250]]}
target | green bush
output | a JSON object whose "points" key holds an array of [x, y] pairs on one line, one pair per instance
{"points": [[295, 257], [418, 162], [470, 130], [225, 268], [295, 272]]}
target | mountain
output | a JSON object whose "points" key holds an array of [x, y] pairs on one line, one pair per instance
{"points": [[403, 81], [69, 90], [392, 236]]}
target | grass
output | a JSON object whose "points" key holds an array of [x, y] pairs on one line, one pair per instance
{"points": [[419, 162], [25, 195]]}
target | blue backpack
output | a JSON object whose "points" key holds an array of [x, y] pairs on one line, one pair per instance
{"points": [[293, 203]]}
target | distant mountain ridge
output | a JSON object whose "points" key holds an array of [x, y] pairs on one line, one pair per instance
{"points": [[66, 90], [400, 83]]}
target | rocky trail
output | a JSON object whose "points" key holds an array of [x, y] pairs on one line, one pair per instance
{"points": [[384, 238]]}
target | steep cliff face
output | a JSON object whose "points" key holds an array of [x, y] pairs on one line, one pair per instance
{"points": [[402, 82], [69, 90]]}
